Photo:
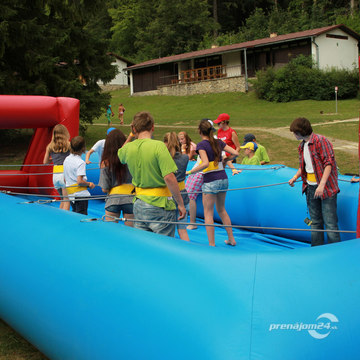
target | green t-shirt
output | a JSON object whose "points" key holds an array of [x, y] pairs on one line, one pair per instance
{"points": [[253, 161], [261, 153], [149, 161]]}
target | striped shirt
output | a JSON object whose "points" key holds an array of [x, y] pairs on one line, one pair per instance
{"points": [[322, 155]]}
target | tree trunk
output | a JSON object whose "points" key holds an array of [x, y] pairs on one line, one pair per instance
{"points": [[215, 15]]}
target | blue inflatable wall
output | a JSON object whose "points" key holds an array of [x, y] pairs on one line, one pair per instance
{"points": [[95, 290]]}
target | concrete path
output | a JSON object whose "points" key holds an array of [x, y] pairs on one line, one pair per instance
{"points": [[349, 147]]}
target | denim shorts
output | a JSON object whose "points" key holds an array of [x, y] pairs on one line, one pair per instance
{"points": [[185, 219], [149, 213], [125, 208], [216, 186]]}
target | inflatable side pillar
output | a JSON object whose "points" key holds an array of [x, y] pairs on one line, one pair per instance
{"points": [[41, 113]]}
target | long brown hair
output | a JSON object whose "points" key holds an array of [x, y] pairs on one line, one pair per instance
{"points": [[172, 143], [60, 141], [187, 140], [205, 128], [114, 141]]}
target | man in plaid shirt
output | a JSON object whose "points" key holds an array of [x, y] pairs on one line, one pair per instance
{"points": [[319, 175]]}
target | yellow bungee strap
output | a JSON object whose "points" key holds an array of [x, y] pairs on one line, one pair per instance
{"points": [[124, 189], [58, 169]]}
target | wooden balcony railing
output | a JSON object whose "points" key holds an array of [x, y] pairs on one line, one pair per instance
{"points": [[200, 74]]}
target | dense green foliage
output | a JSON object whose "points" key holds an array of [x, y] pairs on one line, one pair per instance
{"points": [[300, 80], [56, 48], [147, 29]]}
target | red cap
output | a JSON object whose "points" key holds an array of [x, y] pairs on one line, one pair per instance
{"points": [[222, 117]]}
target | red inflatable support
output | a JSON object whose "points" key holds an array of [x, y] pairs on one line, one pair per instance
{"points": [[41, 113]]}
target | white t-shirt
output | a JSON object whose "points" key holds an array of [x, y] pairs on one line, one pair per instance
{"points": [[308, 163], [99, 148], [74, 166]]}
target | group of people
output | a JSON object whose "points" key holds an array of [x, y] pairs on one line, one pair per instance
{"points": [[147, 180], [110, 113]]}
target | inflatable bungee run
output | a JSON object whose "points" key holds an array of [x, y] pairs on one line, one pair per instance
{"points": [[85, 290]]}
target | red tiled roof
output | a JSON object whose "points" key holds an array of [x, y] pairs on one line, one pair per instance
{"points": [[243, 45]]}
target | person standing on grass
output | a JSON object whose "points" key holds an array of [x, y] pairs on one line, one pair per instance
{"points": [[215, 179], [121, 114], [261, 152], [109, 113], [181, 160], [153, 172], [115, 180], [319, 175]]}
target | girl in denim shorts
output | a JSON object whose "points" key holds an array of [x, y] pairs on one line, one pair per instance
{"points": [[115, 179], [215, 179]]}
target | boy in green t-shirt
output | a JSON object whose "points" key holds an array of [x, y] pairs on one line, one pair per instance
{"points": [[261, 152], [250, 158], [152, 169]]}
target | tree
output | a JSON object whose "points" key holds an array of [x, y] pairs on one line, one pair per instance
{"points": [[146, 29], [56, 48]]}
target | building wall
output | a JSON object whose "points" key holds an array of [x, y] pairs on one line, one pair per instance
{"points": [[204, 87], [334, 52], [121, 78], [233, 63]]}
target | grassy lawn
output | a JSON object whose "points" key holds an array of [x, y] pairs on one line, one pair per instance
{"points": [[345, 131], [244, 109], [14, 347]]}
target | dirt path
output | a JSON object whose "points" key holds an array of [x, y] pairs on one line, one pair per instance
{"points": [[349, 147]]}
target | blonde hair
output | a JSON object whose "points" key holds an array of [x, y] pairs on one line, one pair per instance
{"points": [[60, 139], [172, 143]]}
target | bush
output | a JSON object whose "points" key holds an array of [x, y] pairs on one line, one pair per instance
{"points": [[299, 80]]}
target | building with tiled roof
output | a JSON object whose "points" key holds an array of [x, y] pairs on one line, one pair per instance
{"points": [[227, 68]]}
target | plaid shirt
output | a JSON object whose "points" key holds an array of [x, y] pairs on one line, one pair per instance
{"points": [[322, 154]]}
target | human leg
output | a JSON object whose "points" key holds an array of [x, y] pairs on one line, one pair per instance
{"points": [[65, 203], [193, 186], [208, 203], [316, 216], [182, 228], [224, 216], [80, 206], [192, 207], [329, 212]]}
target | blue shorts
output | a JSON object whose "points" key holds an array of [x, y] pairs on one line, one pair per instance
{"points": [[125, 208], [215, 187]]}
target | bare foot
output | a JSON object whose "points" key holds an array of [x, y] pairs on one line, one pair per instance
{"points": [[231, 243], [191, 227]]}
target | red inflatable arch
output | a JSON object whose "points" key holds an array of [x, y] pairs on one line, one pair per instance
{"points": [[41, 113]]}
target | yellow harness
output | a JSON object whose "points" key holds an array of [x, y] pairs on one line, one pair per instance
{"points": [[75, 188], [58, 169], [124, 189]]}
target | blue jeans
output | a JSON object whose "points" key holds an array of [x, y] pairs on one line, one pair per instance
{"points": [[322, 212], [145, 211]]}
